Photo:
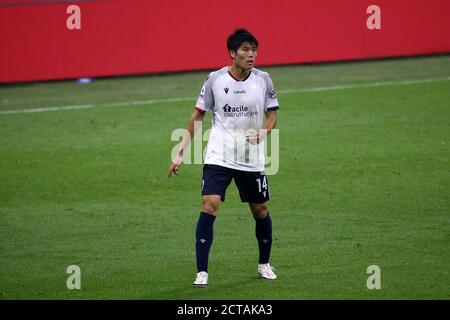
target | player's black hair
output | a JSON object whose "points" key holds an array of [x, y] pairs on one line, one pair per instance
{"points": [[240, 36]]}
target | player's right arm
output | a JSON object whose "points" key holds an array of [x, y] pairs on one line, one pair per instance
{"points": [[191, 128], [204, 103]]}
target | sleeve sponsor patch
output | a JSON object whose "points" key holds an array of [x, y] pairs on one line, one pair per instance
{"points": [[272, 94]]}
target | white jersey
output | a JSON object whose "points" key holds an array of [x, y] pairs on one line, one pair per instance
{"points": [[237, 108]]}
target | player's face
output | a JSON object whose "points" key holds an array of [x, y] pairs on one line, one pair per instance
{"points": [[245, 56]]}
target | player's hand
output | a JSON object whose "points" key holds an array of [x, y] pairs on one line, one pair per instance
{"points": [[175, 166], [255, 137], [173, 169]]}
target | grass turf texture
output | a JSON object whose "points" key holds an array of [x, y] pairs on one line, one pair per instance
{"points": [[364, 179]]}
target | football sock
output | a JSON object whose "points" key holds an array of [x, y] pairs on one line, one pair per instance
{"points": [[204, 239], [264, 236]]}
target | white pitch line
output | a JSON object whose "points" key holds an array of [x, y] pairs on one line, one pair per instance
{"points": [[83, 106], [147, 102], [364, 85]]}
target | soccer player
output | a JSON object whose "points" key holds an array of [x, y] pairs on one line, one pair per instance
{"points": [[238, 96]]}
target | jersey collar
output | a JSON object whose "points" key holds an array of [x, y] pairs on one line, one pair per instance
{"points": [[231, 75]]}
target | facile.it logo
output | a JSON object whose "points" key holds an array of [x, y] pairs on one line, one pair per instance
{"points": [[234, 112]]}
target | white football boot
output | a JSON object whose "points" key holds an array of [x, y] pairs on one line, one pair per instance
{"points": [[266, 271], [202, 279]]}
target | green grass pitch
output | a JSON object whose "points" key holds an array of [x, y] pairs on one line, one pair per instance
{"points": [[364, 180]]}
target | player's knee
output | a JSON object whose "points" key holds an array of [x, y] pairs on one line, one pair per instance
{"points": [[210, 206], [259, 211]]}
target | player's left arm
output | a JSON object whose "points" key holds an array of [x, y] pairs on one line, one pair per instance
{"points": [[271, 106], [269, 124]]}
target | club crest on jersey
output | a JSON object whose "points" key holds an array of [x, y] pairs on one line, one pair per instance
{"points": [[226, 90]]}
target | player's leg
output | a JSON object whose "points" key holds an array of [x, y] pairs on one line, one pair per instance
{"points": [[214, 184], [263, 231], [254, 189], [204, 232]]}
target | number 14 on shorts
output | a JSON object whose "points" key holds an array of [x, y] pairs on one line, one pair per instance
{"points": [[262, 187]]}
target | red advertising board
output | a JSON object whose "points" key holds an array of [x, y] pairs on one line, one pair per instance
{"points": [[118, 37]]}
